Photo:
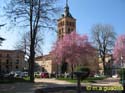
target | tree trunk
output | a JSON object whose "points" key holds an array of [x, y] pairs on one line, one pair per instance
{"points": [[32, 59], [104, 66], [32, 43]]}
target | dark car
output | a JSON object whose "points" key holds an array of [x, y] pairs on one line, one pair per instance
{"points": [[44, 75], [1, 75]]}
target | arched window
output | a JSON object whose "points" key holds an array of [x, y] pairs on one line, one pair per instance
{"points": [[70, 23], [68, 30], [67, 23], [63, 23], [59, 32], [62, 30]]}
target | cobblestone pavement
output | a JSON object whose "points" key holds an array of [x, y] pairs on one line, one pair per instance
{"points": [[39, 83]]}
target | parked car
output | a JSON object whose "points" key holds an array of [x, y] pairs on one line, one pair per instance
{"points": [[1, 75], [37, 74], [18, 74], [44, 75], [96, 75], [25, 74], [115, 76]]}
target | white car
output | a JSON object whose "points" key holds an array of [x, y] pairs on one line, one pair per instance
{"points": [[24, 74], [17, 74], [96, 75], [20, 74], [115, 76]]}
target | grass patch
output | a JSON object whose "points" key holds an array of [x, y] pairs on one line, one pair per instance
{"points": [[87, 80], [95, 78], [68, 79], [14, 80]]}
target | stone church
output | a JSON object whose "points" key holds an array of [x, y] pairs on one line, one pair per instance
{"points": [[66, 24]]}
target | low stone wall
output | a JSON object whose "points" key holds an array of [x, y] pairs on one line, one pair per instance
{"points": [[70, 89]]}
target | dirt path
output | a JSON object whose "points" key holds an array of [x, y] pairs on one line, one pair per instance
{"points": [[31, 87]]}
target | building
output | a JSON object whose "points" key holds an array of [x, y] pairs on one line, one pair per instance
{"points": [[66, 24], [11, 60], [45, 64], [111, 67]]}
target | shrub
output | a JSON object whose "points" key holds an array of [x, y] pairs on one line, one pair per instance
{"points": [[84, 72], [122, 74], [82, 69]]}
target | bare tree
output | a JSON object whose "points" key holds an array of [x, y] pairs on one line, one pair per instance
{"points": [[104, 39], [24, 44], [1, 38], [34, 14]]}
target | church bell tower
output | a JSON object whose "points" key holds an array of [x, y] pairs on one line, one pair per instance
{"points": [[67, 23]]}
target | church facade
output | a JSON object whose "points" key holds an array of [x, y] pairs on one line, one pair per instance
{"points": [[66, 24]]}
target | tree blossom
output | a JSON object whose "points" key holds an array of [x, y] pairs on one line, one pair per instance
{"points": [[119, 49], [72, 48]]}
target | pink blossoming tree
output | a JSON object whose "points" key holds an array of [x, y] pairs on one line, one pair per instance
{"points": [[72, 48], [119, 49]]}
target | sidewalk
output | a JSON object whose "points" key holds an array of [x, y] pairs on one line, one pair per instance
{"points": [[108, 82]]}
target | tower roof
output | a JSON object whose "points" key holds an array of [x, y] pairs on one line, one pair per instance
{"points": [[66, 11]]}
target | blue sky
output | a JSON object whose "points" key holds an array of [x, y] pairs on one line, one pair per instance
{"points": [[87, 14]]}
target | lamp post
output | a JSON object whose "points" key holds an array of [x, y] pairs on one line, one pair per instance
{"points": [[81, 75]]}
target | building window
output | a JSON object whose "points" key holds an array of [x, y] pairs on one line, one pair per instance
{"points": [[17, 61], [7, 67], [63, 23], [59, 32], [8, 55], [7, 61], [17, 67], [68, 30], [0, 55], [67, 23], [70, 23], [62, 30]]}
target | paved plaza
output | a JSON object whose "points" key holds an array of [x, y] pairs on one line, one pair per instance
{"points": [[40, 83]]}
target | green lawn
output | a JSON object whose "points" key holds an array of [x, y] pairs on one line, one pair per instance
{"points": [[87, 80], [14, 80]]}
